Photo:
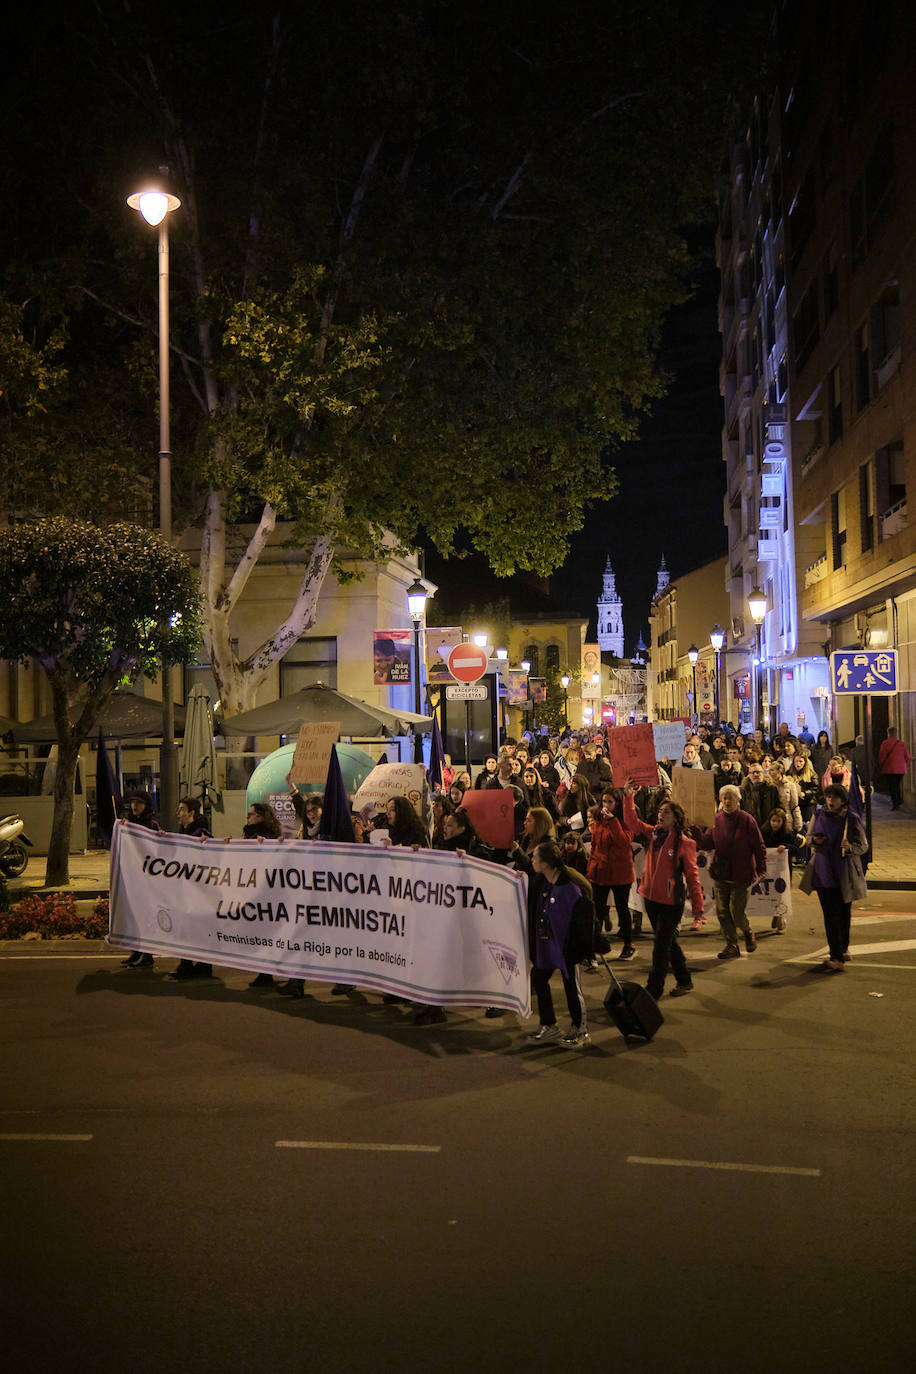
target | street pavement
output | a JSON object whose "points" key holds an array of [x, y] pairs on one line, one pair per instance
{"points": [[203, 1177]]}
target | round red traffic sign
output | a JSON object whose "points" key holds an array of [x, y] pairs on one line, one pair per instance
{"points": [[467, 662]]}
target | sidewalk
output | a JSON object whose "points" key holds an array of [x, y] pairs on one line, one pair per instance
{"points": [[893, 865]]}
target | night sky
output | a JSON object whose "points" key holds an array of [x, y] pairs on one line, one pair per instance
{"points": [[671, 480]]}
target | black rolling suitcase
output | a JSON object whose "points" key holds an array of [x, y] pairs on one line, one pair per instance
{"points": [[633, 1010]]}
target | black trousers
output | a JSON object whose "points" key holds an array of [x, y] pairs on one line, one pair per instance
{"points": [[540, 981], [894, 781], [837, 920], [664, 921], [621, 894]]}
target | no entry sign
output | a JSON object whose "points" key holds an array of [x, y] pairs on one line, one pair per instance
{"points": [[467, 662]]}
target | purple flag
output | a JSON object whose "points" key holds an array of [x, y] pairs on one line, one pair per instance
{"points": [[436, 757]]}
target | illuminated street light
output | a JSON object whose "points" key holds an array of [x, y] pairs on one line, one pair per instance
{"points": [[693, 654], [155, 204], [757, 605], [717, 640], [416, 604]]}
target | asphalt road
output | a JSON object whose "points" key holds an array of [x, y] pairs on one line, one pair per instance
{"points": [[736, 1195]]}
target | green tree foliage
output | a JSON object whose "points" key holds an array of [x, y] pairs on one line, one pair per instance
{"points": [[419, 272], [95, 607]]}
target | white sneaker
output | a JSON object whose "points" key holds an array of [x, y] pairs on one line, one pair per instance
{"points": [[544, 1033], [575, 1039]]}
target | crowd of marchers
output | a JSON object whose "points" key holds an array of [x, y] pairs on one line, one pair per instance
{"points": [[595, 848]]}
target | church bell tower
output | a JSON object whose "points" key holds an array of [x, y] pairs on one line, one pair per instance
{"points": [[610, 615]]}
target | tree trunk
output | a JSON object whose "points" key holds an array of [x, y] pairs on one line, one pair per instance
{"points": [[58, 871]]}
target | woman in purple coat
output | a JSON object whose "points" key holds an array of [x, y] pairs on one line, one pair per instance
{"points": [[837, 842]]}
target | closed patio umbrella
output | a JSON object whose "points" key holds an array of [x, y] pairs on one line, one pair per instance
{"points": [[197, 764]]}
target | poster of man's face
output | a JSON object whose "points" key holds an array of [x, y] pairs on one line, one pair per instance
{"points": [[391, 657]]}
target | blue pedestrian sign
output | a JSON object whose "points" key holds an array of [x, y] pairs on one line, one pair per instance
{"points": [[866, 672]]}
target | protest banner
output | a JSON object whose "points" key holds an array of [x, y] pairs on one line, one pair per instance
{"points": [[392, 780], [491, 810], [770, 897], [313, 749], [694, 789], [631, 752], [421, 924], [669, 736]]}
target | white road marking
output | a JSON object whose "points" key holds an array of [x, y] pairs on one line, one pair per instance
{"points": [[355, 1145], [15, 1135], [721, 1164], [883, 947]]}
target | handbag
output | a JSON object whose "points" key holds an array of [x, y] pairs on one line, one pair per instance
{"points": [[807, 879]]}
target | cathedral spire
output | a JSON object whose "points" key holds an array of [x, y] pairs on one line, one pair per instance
{"points": [[610, 614]]}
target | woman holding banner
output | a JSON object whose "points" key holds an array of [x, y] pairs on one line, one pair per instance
{"points": [[670, 875]]}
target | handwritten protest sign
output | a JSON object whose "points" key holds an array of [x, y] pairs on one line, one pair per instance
{"points": [[491, 811], [694, 789], [425, 925], [670, 736], [313, 750], [392, 780], [631, 752]]}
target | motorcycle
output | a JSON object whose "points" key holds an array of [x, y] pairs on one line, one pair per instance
{"points": [[13, 857]]}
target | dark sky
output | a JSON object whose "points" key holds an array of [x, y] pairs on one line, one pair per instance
{"points": [[671, 480]]}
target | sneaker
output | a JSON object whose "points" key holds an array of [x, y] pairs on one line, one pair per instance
{"points": [[836, 965], [729, 952], [628, 952], [575, 1038], [591, 966], [263, 980], [131, 961], [847, 957], [430, 1016], [544, 1033], [295, 987], [145, 961], [750, 941], [698, 923], [681, 990], [491, 1013]]}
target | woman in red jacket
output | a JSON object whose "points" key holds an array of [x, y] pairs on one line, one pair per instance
{"points": [[610, 867], [894, 760], [670, 873]]}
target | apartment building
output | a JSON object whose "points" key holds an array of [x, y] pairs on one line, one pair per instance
{"points": [[816, 251]]}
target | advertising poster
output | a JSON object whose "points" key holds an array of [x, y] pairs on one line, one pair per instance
{"points": [[537, 690], [425, 925], [440, 640], [591, 664], [517, 687], [391, 651]]}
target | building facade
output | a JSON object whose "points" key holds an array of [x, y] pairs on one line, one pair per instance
{"points": [[819, 373]]}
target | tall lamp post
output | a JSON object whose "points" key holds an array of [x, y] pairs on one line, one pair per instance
{"points": [[757, 605], [525, 666], [416, 605], [717, 640], [155, 205], [693, 654], [564, 683]]}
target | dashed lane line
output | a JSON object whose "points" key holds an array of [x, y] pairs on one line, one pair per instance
{"points": [[43, 1135], [356, 1145], [726, 1165]]}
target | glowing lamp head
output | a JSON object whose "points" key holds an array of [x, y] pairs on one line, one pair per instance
{"points": [[757, 605], [693, 653], [717, 638], [526, 666], [153, 204], [564, 681], [416, 599]]}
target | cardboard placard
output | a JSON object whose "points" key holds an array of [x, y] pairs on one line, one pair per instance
{"points": [[492, 811], [694, 790], [392, 780], [631, 751], [313, 750]]}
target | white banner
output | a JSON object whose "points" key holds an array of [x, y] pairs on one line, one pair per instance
{"points": [[423, 924], [770, 896]]}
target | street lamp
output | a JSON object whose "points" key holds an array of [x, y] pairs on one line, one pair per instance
{"points": [[416, 605], [693, 654], [155, 204], [757, 605], [526, 669], [717, 640], [481, 640], [564, 683]]}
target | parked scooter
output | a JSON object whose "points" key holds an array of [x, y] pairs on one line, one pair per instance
{"points": [[13, 857]]}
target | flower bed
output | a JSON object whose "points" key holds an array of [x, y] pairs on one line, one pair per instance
{"points": [[54, 917]]}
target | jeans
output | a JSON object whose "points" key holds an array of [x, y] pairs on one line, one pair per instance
{"points": [[731, 909], [837, 919], [540, 981], [664, 921]]}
